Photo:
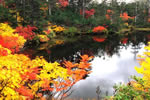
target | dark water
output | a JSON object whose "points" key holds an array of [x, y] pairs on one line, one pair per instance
{"points": [[113, 62]]}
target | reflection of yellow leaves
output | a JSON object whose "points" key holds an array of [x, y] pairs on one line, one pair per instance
{"points": [[59, 41]]}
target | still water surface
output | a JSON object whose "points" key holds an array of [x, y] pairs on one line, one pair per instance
{"points": [[108, 71], [113, 62]]}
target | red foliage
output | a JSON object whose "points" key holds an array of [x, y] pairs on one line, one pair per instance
{"points": [[88, 13], [98, 39], [31, 74], [1, 1], [10, 43], [63, 3], [99, 29], [3, 52], [124, 40], [26, 32]]}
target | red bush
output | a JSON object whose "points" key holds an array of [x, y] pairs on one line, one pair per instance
{"points": [[26, 32], [99, 29]]}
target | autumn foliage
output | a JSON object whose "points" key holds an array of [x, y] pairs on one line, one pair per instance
{"points": [[139, 87], [26, 32], [109, 14], [23, 78], [88, 13], [63, 3], [144, 69], [98, 39], [99, 29], [125, 16], [9, 39], [124, 40]]}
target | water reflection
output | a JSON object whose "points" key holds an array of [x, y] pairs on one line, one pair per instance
{"points": [[114, 61], [107, 72]]}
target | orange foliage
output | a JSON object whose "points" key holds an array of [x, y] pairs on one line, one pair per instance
{"points": [[46, 86], [125, 16], [10, 43], [77, 71], [25, 92], [109, 11]]}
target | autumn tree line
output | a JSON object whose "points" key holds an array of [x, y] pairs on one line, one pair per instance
{"points": [[72, 12]]}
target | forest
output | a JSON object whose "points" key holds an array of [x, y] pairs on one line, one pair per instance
{"points": [[30, 27]]}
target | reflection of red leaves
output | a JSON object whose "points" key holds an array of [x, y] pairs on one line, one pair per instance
{"points": [[124, 40], [25, 92], [28, 52], [148, 37], [48, 51], [98, 39]]}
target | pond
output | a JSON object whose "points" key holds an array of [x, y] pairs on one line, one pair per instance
{"points": [[108, 72], [113, 63]]}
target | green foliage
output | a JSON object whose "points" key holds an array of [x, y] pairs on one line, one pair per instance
{"points": [[71, 31], [128, 92], [6, 16]]}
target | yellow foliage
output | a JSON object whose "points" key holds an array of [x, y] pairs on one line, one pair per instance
{"points": [[145, 67], [43, 38], [13, 66], [56, 28], [5, 29]]}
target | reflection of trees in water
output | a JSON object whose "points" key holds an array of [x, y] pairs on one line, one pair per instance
{"points": [[104, 88], [136, 50], [72, 50]]}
